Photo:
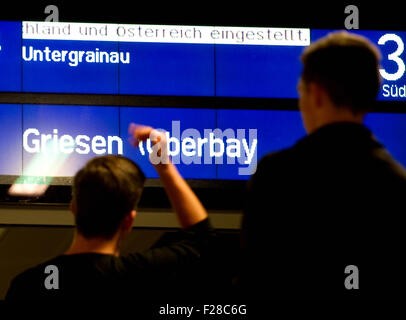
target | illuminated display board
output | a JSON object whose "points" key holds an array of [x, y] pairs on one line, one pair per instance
{"points": [[219, 144], [199, 148], [205, 143], [171, 60]]}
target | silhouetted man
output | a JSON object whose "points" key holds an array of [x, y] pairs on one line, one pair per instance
{"points": [[105, 193], [324, 217]]}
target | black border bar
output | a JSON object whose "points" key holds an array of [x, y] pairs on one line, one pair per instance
{"points": [[198, 102]]}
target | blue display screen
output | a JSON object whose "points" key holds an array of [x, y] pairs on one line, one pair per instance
{"points": [[205, 142], [11, 142], [180, 124], [10, 56], [257, 71], [71, 76], [167, 69], [389, 129], [164, 60], [221, 144], [63, 145], [275, 130], [392, 47]]}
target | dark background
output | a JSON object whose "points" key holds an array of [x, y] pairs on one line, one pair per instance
{"points": [[329, 14]]}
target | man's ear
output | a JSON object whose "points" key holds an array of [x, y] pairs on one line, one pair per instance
{"points": [[133, 214], [72, 207], [320, 95], [129, 220], [316, 93]]}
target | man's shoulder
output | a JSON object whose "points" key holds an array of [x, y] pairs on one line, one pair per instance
{"points": [[23, 283], [278, 157], [33, 272], [277, 161]]}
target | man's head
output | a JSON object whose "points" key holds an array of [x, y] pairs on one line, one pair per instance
{"points": [[105, 194], [340, 79]]}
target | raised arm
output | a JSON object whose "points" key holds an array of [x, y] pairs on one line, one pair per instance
{"points": [[185, 203]]}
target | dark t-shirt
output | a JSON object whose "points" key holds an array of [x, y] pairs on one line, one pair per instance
{"points": [[159, 272]]}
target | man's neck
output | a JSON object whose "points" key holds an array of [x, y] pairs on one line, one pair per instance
{"points": [[338, 117], [81, 244]]}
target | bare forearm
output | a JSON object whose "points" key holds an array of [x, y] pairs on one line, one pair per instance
{"points": [[185, 203], [187, 206]]}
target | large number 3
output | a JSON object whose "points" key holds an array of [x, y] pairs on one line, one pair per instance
{"points": [[393, 57]]}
